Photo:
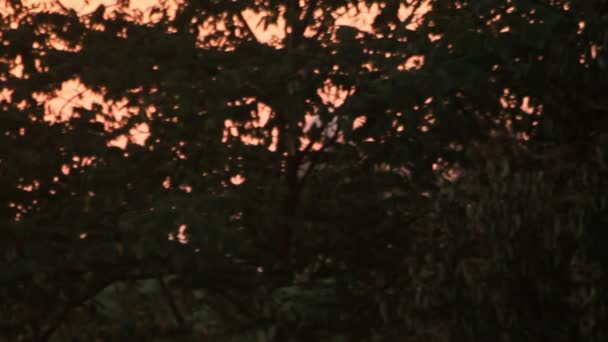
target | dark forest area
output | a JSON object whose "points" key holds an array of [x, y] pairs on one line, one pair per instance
{"points": [[298, 171]]}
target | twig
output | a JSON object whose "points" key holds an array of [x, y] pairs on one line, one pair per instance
{"points": [[314, 159], [305, 21], [309, 12], [415, 7], [247, 26], [62, 6], [70, 100]]}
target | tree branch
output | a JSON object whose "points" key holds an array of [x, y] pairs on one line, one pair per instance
{"points": [[415, 5], [314, 159], [58, 320], [292, 15], [179, 318], [68, 101], [95, 287], [301, 25], [247, 26]]}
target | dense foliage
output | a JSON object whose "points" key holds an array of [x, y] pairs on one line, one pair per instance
{"points": [[437, 175]]}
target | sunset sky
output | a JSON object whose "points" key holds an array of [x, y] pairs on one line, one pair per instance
{"points": [[73, 93]]}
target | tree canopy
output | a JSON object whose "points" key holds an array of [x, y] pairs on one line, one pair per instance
{"points": [[281, 170]]}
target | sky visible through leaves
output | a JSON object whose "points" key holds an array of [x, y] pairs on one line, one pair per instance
{"points": [[74, 94], [284, 170]]}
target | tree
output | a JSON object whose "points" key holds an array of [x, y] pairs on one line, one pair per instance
{"points": [[338, 182], [531, 258]]}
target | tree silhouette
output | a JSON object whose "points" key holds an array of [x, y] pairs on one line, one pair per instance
{"points": [[304, 171]]}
